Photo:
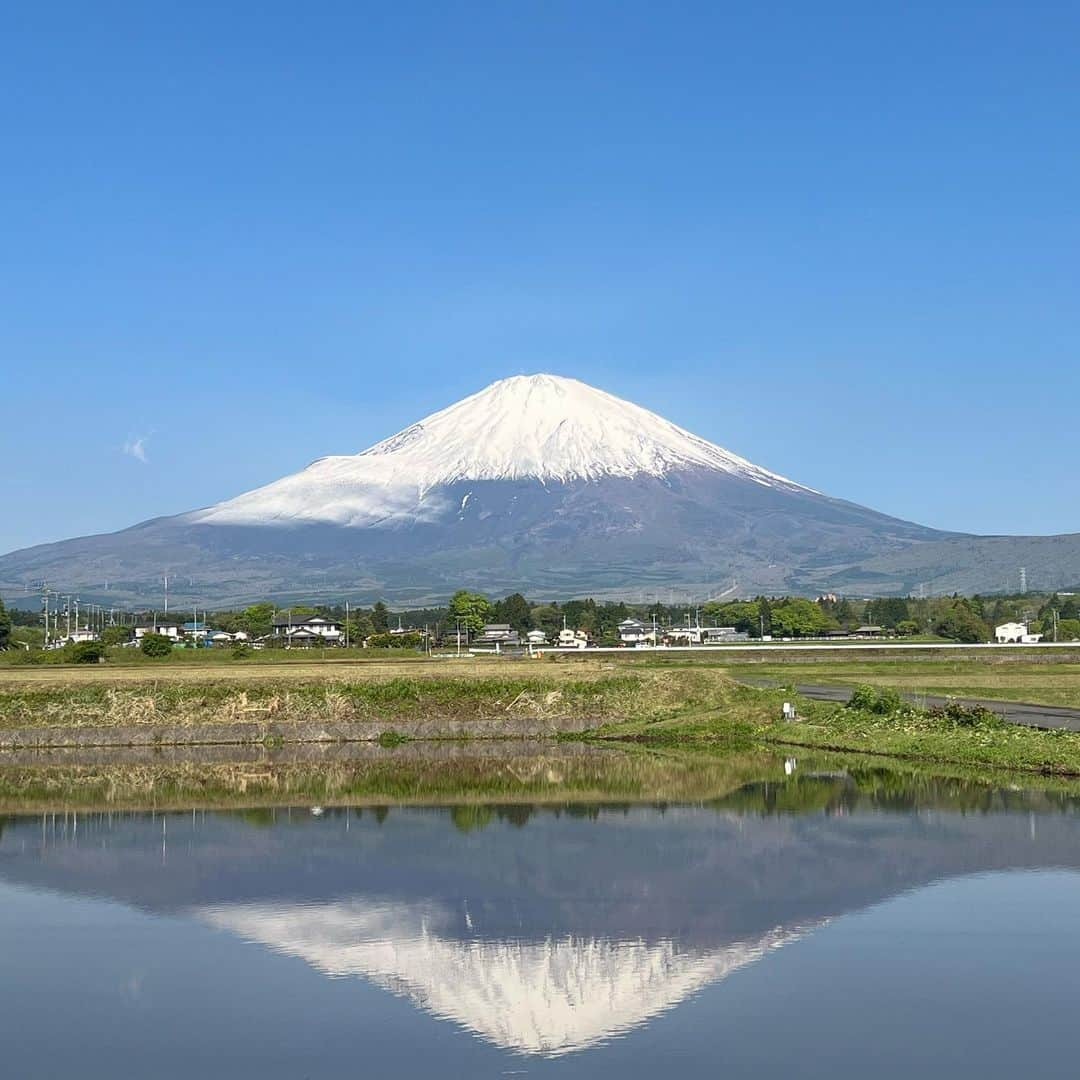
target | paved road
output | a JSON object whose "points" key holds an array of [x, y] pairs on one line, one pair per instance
{"points": [[1017, 712]]}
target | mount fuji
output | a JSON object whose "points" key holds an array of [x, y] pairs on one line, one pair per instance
{"points": [[541, 484]]}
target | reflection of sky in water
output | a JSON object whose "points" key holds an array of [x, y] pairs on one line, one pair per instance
{"points": [[206, 941]]}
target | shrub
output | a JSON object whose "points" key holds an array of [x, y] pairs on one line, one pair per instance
{"points": [[955, 712], [155, 645], [862, 698], [116, 635], [395, 641], [86, 652], [241, 652], [882, 701]]}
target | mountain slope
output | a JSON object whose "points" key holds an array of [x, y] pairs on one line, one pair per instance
{"points": [[541, 427], [538, 483]]}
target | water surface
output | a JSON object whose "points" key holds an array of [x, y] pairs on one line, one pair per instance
{"points": [[820, 925]]}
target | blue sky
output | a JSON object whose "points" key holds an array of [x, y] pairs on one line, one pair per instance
{"points": [[839, 239]]}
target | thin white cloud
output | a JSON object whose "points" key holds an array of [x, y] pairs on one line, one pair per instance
{"points": [[136, 447]]}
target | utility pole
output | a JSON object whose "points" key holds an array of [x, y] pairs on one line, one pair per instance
{"points": [[346, 624], [166, 596]]}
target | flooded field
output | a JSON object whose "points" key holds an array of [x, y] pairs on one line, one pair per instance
{"points": [[541, 911]]}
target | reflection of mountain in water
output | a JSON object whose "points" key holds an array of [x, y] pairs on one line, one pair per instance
{"points": [[549, 936], [546, 997]]}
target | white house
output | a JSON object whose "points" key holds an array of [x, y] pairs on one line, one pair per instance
{"points": [[634, 632], [1015, 633], [307, 630], [82, 633], [166, 630], [572, 639]]}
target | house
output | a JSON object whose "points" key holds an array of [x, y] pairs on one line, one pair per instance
{"points": [[83, 633], [1015, 633], [306, 630], [719, 635], [497, 634], [572, 639], [634, 632], [683, 635], [868, 631], [536, 639], [169, 630]]}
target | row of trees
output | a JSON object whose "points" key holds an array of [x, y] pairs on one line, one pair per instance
{"points": [[965, 619]]}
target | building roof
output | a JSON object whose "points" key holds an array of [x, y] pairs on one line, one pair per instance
{"points": [[303, 620]]}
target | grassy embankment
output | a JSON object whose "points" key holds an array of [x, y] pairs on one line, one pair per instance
{"points": [[659, 701], [102, 697], [1048, 683], [908, 732]]}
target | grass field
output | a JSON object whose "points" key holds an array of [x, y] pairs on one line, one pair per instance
{"points": [[655, 699], [1041, 683], [100, 696]]}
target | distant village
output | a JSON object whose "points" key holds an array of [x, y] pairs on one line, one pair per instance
{"points": [[473, 623]]}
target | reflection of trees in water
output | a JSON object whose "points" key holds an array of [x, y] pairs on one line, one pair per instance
{"points": [[471, 817], [887, 790]]}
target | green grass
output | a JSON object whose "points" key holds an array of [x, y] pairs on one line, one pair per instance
{"points": [[1047, 683], [753, 715]]}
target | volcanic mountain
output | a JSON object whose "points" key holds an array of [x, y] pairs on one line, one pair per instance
{"points": [[542, 484]]}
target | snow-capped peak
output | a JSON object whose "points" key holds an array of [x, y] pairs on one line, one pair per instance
{"points": [[544, 427]]}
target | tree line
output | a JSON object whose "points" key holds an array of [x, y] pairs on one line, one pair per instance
{"points": [[955, 618]]}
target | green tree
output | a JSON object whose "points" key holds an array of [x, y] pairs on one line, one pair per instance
{"points": [[960, 623], [742, 614], [155, 645], [796, 617], [889, 611], [257, 620], [1068, 630], [516, 611], [549, 618], [471, 609], [116, 635], [5, 626], [360, 626], [380, 617]]}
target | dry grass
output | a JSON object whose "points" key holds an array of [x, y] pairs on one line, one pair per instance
{"points": [[387, 698]]}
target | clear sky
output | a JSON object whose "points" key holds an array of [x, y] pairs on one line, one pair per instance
{"points": [[841, 239]]}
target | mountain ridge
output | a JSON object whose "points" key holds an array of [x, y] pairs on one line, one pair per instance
{"points": [[539, 484]]}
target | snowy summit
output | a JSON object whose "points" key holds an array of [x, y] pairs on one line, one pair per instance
{"points": [[542, 427]]}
